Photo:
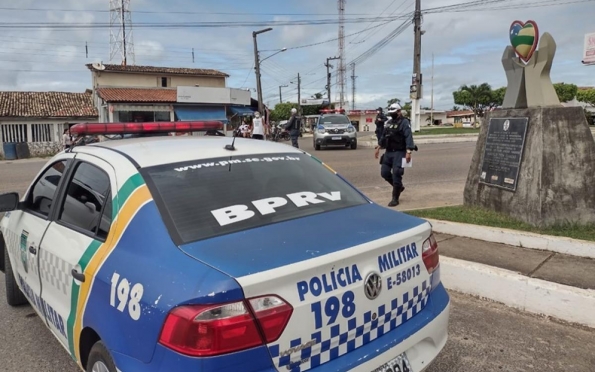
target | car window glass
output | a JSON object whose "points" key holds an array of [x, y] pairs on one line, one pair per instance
{"points": [[43, 192], [86, 195], [106, 219], [211, 197], [334, 119]]}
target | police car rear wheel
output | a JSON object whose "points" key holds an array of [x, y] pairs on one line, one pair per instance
{"points": [[14, 296], [100, 359]]}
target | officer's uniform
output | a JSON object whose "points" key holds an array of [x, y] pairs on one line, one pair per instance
{"points": [[397, 139]]}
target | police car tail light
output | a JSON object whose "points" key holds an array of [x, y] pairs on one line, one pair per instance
{"points": [[83, 129], [430, 254], [209, 330], [272, 314]]}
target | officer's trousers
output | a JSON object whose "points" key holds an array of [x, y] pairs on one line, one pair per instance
{"points": [[294, 134], [391, 169]]}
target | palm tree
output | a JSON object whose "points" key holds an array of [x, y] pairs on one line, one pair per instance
{"points": [[478, 97]]}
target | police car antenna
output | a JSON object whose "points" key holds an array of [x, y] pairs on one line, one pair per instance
{"points": [[231, 147]]}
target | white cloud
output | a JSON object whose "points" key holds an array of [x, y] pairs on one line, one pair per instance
{"points": [[467, 45]]}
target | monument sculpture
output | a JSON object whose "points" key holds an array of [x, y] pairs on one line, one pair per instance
{"points": [[535, 159]]}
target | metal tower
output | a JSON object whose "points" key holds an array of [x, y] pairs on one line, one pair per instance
{"points": [[341, 71], [121, 40]]}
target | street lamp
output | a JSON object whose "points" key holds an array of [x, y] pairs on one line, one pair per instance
{"points": [[257, 66], [274, 54]]}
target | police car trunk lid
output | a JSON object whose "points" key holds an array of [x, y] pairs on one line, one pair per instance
{"points": [[345, 299]]}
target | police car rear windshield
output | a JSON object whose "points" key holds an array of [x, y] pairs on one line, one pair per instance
{"points": [[334, 119], [207, 198]]}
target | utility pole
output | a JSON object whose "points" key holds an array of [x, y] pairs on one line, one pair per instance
{"points": [[299, 96], [257, 68], [353, 86], [328, 78], [341, 78], [432, 99], [416, 93]]}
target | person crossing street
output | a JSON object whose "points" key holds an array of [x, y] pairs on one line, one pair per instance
{"points": [[397, 140]]}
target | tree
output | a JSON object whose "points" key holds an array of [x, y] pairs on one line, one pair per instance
{"points": [[566, 92], [498, 95], [391, 101], [282, 111], [317, 96], [478, 98], [587, 96], [456, 108]]}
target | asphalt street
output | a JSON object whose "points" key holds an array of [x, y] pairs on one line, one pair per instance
{"points": [[484, 336]]}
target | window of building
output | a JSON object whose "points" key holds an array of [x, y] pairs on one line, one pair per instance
{"points": [[164, 82], [87, 205]]}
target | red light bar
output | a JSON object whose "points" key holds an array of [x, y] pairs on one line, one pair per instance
{"points": [[331, 111], [150, 127]]}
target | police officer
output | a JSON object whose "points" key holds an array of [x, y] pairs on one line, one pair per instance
{"points": [[380, 120], [293, 126], [397, 140]]}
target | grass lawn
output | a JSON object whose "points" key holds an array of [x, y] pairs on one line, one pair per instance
{"points": [[485, 217], [451, 130]]}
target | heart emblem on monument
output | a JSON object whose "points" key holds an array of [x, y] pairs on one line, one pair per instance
{"points": [[524, 38]]}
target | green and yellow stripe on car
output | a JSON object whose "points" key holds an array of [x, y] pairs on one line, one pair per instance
{"points": [[129, 200]]}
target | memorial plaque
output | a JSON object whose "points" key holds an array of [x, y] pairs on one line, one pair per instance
{"points": [[503, 152]]}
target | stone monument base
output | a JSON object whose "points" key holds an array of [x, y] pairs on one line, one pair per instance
{"points": [[556, 177]]}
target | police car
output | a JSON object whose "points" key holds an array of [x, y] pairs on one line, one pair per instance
{"points": [[218, 254]]}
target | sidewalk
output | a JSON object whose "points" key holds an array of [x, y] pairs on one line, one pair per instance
{"points": [[543, 282], [554, 267], [370, 141]]}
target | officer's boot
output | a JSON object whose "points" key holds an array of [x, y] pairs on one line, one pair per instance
{"points": [[396, 193]]}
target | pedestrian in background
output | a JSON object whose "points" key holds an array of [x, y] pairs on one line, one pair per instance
{"points": [[257, 127], [397, 140], [66, 139], [380, 121], [293, 126]]}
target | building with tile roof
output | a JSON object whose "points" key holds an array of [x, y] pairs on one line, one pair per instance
{"points": [[154, 93], [39, 119]]}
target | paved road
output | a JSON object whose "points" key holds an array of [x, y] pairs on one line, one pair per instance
{"points": [[437, 177]]}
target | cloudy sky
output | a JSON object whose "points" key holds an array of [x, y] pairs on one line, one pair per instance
{"points": [[467, 44]]}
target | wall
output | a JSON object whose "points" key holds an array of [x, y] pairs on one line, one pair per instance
{"points": [[363, 120], [153, 81], [44, 136], [437, 116]]}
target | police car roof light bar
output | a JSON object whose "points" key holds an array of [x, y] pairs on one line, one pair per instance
{"points": [[332, 111], [84, 129]]}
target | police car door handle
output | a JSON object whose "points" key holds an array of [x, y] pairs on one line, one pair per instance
{"points": [[32, 249], [78, 276]]}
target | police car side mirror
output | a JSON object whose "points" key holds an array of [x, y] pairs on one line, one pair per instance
{"points": [[9, 202]]}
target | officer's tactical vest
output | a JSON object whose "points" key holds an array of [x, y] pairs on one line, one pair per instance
{"points": [[394, 139]]}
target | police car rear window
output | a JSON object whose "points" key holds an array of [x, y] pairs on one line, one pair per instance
{"points": [[208, 198]]}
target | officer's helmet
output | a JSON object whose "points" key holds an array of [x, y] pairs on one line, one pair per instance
{"points": [[394, 108]]}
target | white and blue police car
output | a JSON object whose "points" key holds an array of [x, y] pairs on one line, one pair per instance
{"points": [[195, 254]]}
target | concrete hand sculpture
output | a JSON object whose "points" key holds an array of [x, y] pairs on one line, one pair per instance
{"points": [[528, 69]]}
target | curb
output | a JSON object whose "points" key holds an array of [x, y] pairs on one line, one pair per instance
{"points": [[425, 141], [537, 296], [573, 247]]}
